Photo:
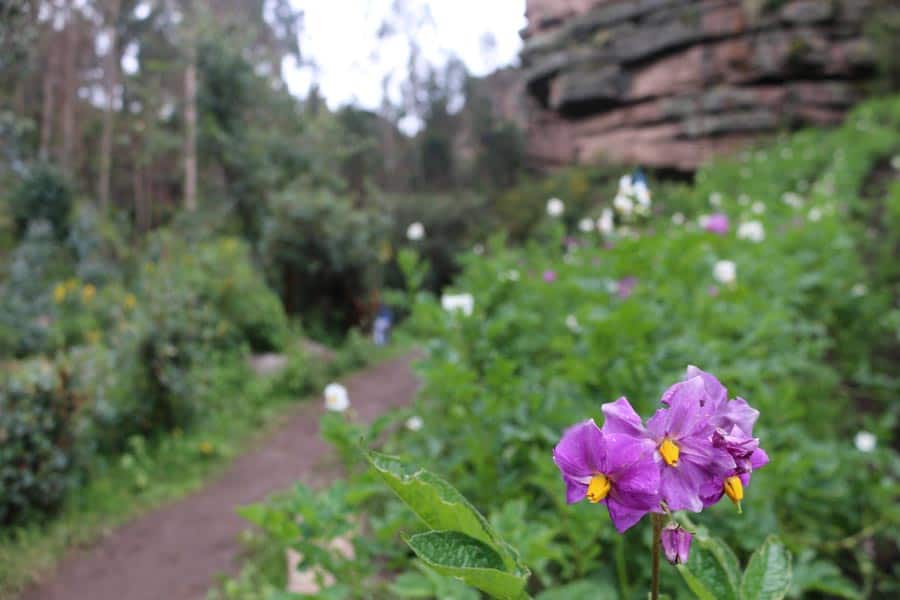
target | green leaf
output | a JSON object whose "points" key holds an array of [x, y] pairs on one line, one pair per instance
{"points": [[459, 555], [440, 505], [580, 589], [712, 571], [768, 574]]}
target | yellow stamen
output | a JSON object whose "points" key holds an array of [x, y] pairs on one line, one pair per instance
{"points": [[734, 489], [598, 488], [669, 451]]}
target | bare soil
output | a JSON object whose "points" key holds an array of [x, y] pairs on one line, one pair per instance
{"points": [[176, 552]]}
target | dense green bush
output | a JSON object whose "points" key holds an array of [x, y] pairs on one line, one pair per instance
{"points": [[38, 458], [26, 304], [322, 254], [43, 194]]}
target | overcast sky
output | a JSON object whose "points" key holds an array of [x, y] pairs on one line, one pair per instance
{"points": [[341, 36]]}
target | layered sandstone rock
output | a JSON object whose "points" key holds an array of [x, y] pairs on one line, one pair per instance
{"points": [[670, 83]]}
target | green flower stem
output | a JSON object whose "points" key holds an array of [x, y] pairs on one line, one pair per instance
{"points": [[654, 556]]}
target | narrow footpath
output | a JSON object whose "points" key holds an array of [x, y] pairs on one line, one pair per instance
{"points": [[176, 551]]}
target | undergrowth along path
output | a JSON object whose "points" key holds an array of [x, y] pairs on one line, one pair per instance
{"points": [[176, 551]]}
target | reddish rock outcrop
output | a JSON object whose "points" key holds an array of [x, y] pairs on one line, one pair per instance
{"points": [[671, 83]]}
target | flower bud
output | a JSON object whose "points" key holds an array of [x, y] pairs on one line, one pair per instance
{"points": [[676, 543]]}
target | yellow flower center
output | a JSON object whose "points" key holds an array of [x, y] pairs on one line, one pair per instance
{"points": [[598, 488], [669, 451], [734, 489]]}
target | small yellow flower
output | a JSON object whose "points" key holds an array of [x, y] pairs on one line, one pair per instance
{"points": [[130, 301], [93, 336], [59, 293], [206, 448], [88, 292], [71, 284]]}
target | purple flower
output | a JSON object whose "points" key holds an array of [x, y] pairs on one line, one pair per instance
{"points": [[676, 543], [549, 276], [610, 468], [717, 223], [626, 286], [681, 437]]}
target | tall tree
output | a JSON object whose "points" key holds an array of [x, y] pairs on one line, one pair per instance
{"points": [[110, 79]]}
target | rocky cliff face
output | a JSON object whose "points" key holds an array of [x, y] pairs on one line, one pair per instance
{"points": [[670, 83]]}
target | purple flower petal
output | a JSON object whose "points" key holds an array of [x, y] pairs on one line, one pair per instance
{"points": [[680, 486], [623, 516], [581, 451], [621, 418], [717, 223], [759, 459], [715, 391], [575, 490], [685, 414], [736, 412]]}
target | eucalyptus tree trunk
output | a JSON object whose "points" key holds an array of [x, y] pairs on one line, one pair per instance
{"points": [[110, 77], [190, 125]]}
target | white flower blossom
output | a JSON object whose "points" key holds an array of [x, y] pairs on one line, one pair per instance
{"points": [[605, 223], [336, 398], [478, 249], [895, 163], [792, 199], [623, 204], [625, 187], [703, 221], [715, 199], [678, 219], [751, 230], [758, 208], [586, 225], [458, 302], [511, 275], [865, 441], [641, 193], [815, 214], [859, 290], [743, 199], [415, 423], [415, 232], [555, 207], [572, 324], [725, 272]]}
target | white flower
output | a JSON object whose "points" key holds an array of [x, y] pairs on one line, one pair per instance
{"points": [[743, 199], [511, 275], [414, 423], [791, 199], [415, 232], [336, 398], [586, 225], [642, 209], [478, 249], [725, 272], [555, 207], [715, 199], [703, 221], [751, 230], [895, 163], [758, 208], [865, 441], [625, 187], [605, 223], [455, 302], [623, 204], [641, 193], [678, 219], [815, 214], [572, 324], [859, 290]]}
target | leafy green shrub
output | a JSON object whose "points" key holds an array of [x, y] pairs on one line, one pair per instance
{"points": [[321, 254], [99, 247], [38, 462], [43, 194], [25, 297]]}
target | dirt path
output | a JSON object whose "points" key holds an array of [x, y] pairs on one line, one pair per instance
{"points": [[175, 552]]}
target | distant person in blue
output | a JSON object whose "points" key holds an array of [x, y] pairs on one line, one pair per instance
{"points": [[381, 329]]}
